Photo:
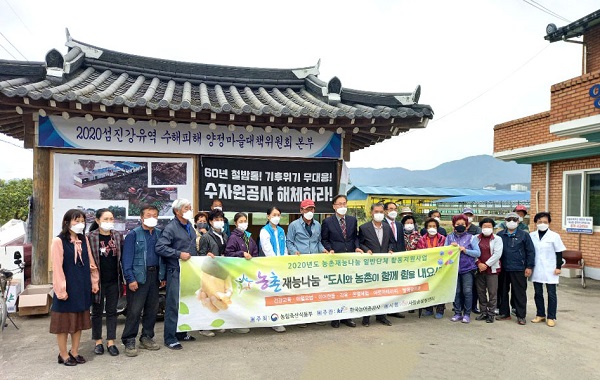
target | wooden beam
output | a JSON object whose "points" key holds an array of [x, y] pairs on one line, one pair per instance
{"points": [[29, 131], [40, 216]]}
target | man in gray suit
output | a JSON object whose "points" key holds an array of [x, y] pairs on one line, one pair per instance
{"points": [[376, 237]]}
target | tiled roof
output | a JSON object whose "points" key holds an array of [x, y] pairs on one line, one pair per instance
{"points": [[91, 75], [574, 29]]}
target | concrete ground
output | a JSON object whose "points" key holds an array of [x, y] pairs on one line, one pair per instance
{"points": [[411, 349]]}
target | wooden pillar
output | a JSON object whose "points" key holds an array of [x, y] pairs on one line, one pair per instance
{"points": [[41, 216]]}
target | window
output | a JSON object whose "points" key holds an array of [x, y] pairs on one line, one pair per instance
{"points": [[582, 194]]}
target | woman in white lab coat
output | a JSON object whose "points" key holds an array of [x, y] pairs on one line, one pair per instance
{"points": [[548, 261]]}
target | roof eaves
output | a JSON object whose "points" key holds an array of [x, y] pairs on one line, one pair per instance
{"points": [[575, 29]]}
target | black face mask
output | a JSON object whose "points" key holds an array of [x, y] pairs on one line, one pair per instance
{"points": [[201, 226], [460, 229]]}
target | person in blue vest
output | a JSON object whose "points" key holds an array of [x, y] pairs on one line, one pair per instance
{"points": [[177, 242], [272, 241], [143, 271]]}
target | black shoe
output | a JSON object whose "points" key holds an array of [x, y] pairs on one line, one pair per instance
{"points": [[490, 319], [503, 317], [79, 359], [70, 362], [349, 322], [113, 350], [99, 349], [188, 338], [411, 311], [397, 315], [481, 317], [335, 324], [174, 346], [365, 321], [383, 321]]}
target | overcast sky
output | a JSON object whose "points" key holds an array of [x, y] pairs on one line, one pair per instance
{"points": [[479, 62]]}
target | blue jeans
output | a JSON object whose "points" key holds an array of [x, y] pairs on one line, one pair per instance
{"points": [[539, 300], [463, 301], [171, 306]]}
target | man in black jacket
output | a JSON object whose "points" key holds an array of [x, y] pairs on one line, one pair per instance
{"points": [[339, 235], [518, 260]]}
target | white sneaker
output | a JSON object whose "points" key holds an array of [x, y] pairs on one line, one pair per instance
{"points": [[207, 333], [240, 331], [279, 329]]}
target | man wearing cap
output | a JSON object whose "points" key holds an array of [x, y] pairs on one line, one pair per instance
{"points": [[472, 228], [521, 211], [518, 260], [304, 234]]}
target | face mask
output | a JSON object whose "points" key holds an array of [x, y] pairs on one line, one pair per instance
{"points": [[470, 219], [409, 227], [218, 224], [342, 210], [511, 225], [218, 208], [432, 231], [107, 226], [150, 222], [542, 227], [460, 229], [308, 215], [201, 226], [242, 226], [520, 218], [378, 217], [78, 228], [189, 215], [393, 214], [487, 231], [275, 220], [436, 218]]}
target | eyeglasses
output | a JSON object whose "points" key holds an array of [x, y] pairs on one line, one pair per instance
{"points": [[512, 219]]}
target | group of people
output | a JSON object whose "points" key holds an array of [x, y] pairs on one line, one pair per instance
{"points": [[88, 269]]}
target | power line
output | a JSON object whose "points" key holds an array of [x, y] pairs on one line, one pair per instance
{"points": [[493, 86], [6, 50], [542, 8], [11, 143], [14, 47], [16, 14]]}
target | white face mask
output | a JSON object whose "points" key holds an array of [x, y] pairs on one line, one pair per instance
{"points": [[243, 226], [393, 214], [437, 218], [275, 220], [218, 224], [542, 227], [107, 226], [308, 215], [218, 208], [432, 231], [511, 225], [189, 215], [487, 231], [78, 228], [520, 218], [470, 219], [409, 227], [342, 210], [150, 222], [378, 217]]}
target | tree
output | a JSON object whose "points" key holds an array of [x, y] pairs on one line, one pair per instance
{"points": [[13, 199]]}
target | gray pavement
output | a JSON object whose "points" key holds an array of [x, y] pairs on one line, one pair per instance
{"points": [[411, 349]]}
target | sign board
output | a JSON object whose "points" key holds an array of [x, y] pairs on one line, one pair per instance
{"points": [[580, 224], [253, 185], [182, 138]]}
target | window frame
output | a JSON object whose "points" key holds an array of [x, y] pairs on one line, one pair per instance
{"points": [[583, 208]]}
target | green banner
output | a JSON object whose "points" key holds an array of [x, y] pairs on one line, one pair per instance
{"points": [[227, 292]]}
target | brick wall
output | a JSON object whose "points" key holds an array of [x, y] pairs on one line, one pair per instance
{"points": [[590, 244], [521, 132], [592, 41]]}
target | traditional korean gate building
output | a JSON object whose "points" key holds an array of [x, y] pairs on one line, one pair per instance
{"points": [[154, 130]]}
